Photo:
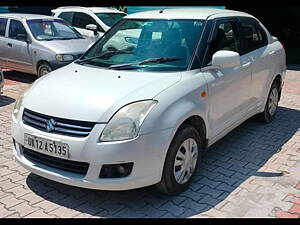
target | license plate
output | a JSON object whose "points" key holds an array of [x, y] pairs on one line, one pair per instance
{"points": [[46, 146]]}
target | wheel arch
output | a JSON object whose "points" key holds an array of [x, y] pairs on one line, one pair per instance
{"points": [[39, 63]]}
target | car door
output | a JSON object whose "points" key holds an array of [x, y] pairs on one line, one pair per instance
{"points": [[3, 42], [229, 88], [255, 46], [80, 20], [18, 50]]}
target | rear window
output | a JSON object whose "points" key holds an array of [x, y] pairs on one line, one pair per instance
{"points": [[3, 23]]}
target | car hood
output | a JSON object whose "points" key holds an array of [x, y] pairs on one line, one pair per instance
{"points": [[67, 46], [82, 92]]}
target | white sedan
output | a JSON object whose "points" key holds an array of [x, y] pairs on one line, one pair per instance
{"points": [[143, 114]]}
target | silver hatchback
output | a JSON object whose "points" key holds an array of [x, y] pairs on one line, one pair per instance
{"points": [[38, 44]]}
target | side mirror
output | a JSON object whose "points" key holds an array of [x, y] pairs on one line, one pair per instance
{"points": [[92, 27], [225, 59]]}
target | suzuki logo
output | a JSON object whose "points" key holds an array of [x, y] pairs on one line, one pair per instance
{"points": [[50, 125]]}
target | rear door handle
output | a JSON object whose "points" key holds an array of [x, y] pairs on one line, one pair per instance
{"points": [[271, 52], [245, 65], [9, 45]]}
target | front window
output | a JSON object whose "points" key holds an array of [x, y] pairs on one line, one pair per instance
{"points": [[51, 29], [110, 19], [134, 41]]}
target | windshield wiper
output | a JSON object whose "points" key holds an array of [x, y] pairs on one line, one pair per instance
{"points": [[146, 61], [108, 53]]}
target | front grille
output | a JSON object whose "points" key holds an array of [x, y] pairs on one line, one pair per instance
{"points": [[57, 125], [62, 164]]}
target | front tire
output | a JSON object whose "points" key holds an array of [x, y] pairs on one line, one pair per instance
{"points": [[181, 162], [271, 105], [43, 69]]}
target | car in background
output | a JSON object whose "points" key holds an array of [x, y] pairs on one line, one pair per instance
{"points": [[38, 44], [1, 79], [91, 22]]}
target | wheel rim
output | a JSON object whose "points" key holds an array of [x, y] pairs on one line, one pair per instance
{"points": [[44, 71], [273, 101], [185, 161]]}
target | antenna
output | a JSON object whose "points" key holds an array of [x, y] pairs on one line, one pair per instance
{"points": [[162, 10]]}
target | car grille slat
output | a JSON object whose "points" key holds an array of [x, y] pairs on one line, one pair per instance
{"points": [[35, 117], [58, 163], [73, 126], [28, 120], [62, 130], [56, 125]]}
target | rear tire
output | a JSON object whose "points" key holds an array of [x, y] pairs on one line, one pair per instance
{"points": [[271, 105], [43, 69], [185, 150]]}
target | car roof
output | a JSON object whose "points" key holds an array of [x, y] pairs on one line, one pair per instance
{"points": [[25, 16], [93, 9], [185, 13]]}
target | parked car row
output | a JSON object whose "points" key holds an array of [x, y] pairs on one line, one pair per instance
{"points": [[38, 44], [143, 104]]}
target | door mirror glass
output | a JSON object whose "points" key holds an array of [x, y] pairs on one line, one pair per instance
{"points": [[225, 59]]}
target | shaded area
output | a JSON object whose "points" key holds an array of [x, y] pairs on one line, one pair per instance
{"points": [[19, 77], [227, 164], [6, 100]]}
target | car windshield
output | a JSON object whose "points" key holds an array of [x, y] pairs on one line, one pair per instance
{"points": [[110, 19], [52, 29], [147, 45]]}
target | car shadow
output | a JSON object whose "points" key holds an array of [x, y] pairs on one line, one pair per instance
{"points": [[227, 164], [5, 100], [19, 76], [295, 67]]}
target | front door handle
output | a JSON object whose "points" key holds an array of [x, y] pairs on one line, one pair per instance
{"points": [[9, 45], [271, 52], [245, 65]]}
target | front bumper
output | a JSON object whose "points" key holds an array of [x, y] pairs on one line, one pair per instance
{"points": [[145, 151], [56, 64]]}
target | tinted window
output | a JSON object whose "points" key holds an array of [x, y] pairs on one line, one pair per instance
{"points": [[16, 28], [110, 19], [80, 20], [225, 38], [262, 34], [253, 38], [67, 16], [3, 23], [136, 40]]}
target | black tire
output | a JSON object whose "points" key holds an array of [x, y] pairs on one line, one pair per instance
{"points": [[43, 69], [168, 184], [266, 116]]}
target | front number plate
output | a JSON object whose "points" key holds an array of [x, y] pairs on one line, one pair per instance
{"points": [[48, 147]]}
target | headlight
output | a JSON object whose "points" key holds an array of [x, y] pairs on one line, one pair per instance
{"points": [[126, 123], [64, 57], [19, 102]]}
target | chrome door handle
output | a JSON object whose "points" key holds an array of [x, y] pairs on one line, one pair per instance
{"points": [[245, 65], [271, 52], [9, 45]]}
